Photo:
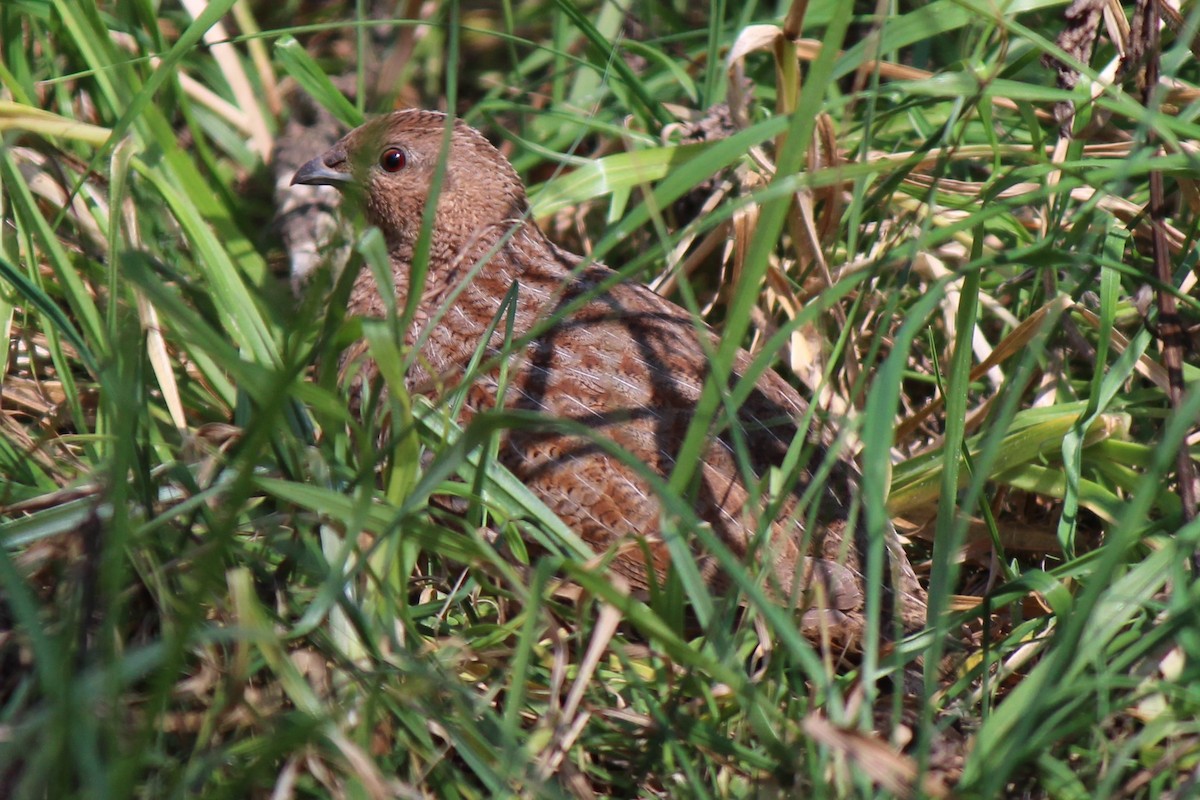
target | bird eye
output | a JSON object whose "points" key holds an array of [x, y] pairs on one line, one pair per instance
{"points": [[393, 159]]}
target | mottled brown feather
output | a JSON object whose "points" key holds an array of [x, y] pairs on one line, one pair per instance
{"points": [[627, 363]]}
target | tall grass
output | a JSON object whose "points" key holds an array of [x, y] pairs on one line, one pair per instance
{"points": [[217, 581]]}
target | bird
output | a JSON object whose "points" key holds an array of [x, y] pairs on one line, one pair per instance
{"points": [[615, 360]]}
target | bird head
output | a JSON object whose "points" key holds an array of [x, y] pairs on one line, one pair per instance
{"points": [[391, 162]]}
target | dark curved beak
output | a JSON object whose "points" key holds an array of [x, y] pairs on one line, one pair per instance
{"points": [[319, 173]]}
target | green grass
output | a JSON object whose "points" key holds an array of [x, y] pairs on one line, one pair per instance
{"points": [[215, 581]]}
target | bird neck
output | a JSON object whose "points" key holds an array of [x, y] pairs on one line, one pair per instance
{"points": [[497, 253]]}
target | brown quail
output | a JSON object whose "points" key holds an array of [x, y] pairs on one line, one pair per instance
{"points": [[627, 364]]}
